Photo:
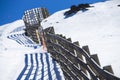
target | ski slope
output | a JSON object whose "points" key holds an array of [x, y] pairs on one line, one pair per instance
{"points": [[23, 59], [98, 27]]}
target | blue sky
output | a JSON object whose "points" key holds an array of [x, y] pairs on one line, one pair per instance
{"points": [[11, 10]]}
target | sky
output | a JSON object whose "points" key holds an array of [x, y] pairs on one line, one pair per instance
{"points": [[11, 10]]}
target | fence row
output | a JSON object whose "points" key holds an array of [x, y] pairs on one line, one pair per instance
{"points": [[76, 62]]}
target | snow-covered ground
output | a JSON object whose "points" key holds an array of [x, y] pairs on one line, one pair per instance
{"points": [[98, 27], [23, 59]]}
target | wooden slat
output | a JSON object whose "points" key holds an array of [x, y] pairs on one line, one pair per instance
{"points": [[63, 49]]}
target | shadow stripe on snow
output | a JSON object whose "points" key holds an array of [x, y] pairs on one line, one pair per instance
{"points": [[37, 63], [36, 67], [15, 37], [56, 70], [48, 66], [22, 40], [25, 68], [31, 67], [18, 29], [41, 58]]}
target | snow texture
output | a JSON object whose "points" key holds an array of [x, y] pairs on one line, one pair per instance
{"points": [[23, 59], [98, 27]]}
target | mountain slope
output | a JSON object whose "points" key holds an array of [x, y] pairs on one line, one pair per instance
{"points": [[23, 59], [97, 27]]}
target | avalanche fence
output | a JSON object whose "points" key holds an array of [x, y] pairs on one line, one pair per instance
{"points": [[76, 63]]}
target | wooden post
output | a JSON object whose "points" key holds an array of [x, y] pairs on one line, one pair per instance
{"points": [[38, 38], [43, 42], [77, 53], [108, 68], [86, 48], [95, 57], [70, 48]]}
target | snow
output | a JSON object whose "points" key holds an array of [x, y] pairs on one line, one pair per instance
{"points": [[14, 45], [97, 27]]}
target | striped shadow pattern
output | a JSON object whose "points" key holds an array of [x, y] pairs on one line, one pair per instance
{"points": [[23, 40], [18, 29], [39, 66]]}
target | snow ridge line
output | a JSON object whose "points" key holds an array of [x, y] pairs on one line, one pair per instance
{"points": [[39, 66]]}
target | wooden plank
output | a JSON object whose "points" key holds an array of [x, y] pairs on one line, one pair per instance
{"points": [[68, 70], [90, 61], [80, 57], [86, 48], [70, 64]]}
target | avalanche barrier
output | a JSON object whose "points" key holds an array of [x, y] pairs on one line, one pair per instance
{"points": [[76, 63]]}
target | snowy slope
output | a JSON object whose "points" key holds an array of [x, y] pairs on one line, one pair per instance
{"points": [[23, 59], [98, 27]]}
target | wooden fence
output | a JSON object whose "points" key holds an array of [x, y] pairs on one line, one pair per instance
{"points": [[76, 63], [32, 19]]}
